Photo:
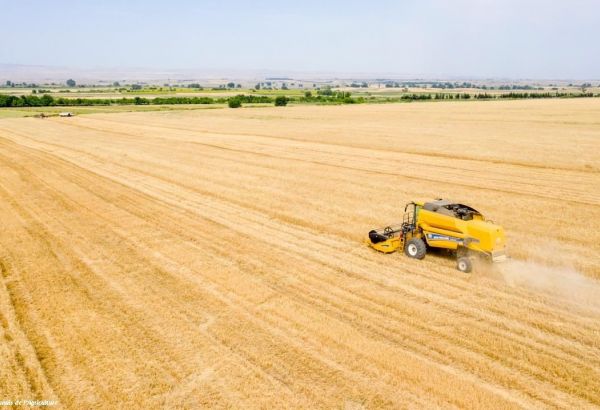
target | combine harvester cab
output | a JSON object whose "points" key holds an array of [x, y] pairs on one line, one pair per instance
{"points": [[443, 224]]}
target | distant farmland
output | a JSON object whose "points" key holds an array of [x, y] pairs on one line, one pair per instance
{"points": [[44, 99], [214, 257]]}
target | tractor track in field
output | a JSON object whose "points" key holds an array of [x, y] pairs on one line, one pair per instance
{"points": [[21, 360], [555, 196], [229, 200], [481, 161], [353, 302], [366, 154], [170, 181], [130, 313]]}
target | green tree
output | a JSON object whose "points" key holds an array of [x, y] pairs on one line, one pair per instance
{"points": [[307, 94], [234, 102], [230, 85], [17, 102], [9, 83], [140, 101], [326, 91], [281, 101], [257, 86], [46, 100], [71, 82], [116, 84]]}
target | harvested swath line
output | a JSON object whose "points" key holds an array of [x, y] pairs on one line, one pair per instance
{"points": [[86, 287], [392, 171], [21, 374], [570, 230], [371, 156], [372, 128], [156, 332]]}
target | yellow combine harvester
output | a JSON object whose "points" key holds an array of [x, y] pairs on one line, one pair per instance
{"points": [[442, 224]]}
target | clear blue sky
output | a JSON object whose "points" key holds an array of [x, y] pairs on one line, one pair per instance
{"points": [[481, 38]]}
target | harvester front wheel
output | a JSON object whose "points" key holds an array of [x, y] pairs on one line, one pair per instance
{"points": [[415, 248], [464, 264]]}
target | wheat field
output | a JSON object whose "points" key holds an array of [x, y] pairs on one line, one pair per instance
{"points": [[187, 259]]}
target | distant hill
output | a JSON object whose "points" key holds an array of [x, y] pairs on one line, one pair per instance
{"points": [[59, 74]]}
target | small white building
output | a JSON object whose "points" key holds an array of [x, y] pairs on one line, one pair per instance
{"points": [[66, 114]]}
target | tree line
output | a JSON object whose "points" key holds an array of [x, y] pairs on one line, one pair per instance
{"points": [[326, 96], [49, 101]]}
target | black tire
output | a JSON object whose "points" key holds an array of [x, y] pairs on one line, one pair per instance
{"points": [[464, 264], [415, 248]]}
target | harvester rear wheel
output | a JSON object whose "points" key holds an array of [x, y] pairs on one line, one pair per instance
{"points": [[464, 264], [415, 248]]}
